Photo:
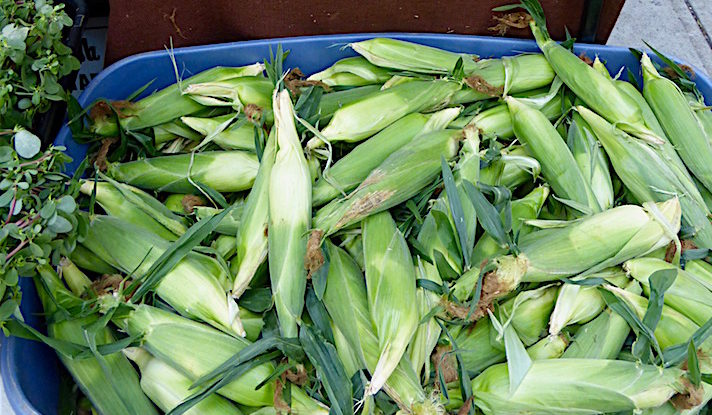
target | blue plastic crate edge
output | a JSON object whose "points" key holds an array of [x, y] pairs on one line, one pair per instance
{"points": [[310, 53]]}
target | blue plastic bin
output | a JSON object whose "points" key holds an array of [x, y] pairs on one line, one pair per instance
{"points": [[29, 369]]}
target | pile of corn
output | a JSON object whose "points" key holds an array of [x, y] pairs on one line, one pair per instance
{"points": [[410, 230]]}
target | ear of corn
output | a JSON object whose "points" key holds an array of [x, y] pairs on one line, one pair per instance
{"points": [[389, 275], [591, 160], [598, 91], [402, 55], [195, 287], [332, 101], [172, 130], [530, 312], [672, 329], [89, 261], [497, 121], [586, 245], [195, 350], [649, 176], [363, 118], [688, 294], [169, 103], [229, 224], [167, 387], [122, 393], [356, 71], [428, 333], [289, 218], [239, 135], [347, 173], [486, 247], [679, 122], [136, 206], [252, 243], [603, 337], [701, 270], [550, 347], [346, 300], [670, 409], [558, 165], [399, 177], [498, 77], [234, 92], [224, 171], [575, 304], [514, 168], [589, 386]]}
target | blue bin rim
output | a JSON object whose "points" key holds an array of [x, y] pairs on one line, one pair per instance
{"points": [[354, 37], [15, 394]]}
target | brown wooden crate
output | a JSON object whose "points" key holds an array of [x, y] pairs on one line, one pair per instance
{"points": [[143, 25]]}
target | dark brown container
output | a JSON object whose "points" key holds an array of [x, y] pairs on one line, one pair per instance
{"points": [[143, 25]]}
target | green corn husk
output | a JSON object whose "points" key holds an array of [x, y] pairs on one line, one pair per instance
{"points": [[479, 346], [550, 347], [615, 385], [508, 75], [224, 245], [649, 176], [289, 218], [174, 202], [672, 329], [346, 300], [667, 150], [195, 287], [171, 130], [363, 118], [558, 165], [531, 313], [669, 409], [169, 103], [701, 269], [497, 121], [196, 349], [252, 241], [230, 224], [79, 284], [513, 168], [486, 247], [237, 93], [239, 135], [351, 362], [223, 171], [591, 160], [167, 387], [575, 305], [438, 232], [121, 394], [347, 173], [398, 178], [427, 333], [390, 286], [689, 294], [355, 71], [86, 259], [137, 207], [587, 245], [252, 323], [679, 122], [414, 57], [598, 91], [333, 101], [603, 337], [353, 244]]}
